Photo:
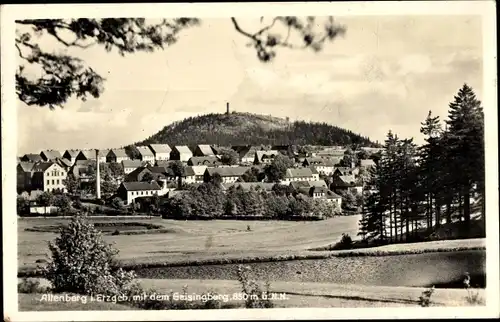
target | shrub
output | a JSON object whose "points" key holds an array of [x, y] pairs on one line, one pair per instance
{"points": [[425, 299], [472, 297], [116, 232], [82, 263], [30, 285], [344, 243], [255, 297]]}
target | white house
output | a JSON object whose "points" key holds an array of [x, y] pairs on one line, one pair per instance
{"points": [[298, 174], [161, 152], [145, 154], [48, 176], [181, 153], [227, 174], [131, 165], [128, 191]]}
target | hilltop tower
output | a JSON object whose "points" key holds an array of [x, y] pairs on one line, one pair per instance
{"points": [[97, 177], [227, 108]]}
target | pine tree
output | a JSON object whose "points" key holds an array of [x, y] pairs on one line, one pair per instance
{"points": [[466, 146]]}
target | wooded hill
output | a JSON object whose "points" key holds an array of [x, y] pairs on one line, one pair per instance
{"points": [[251, 129]]}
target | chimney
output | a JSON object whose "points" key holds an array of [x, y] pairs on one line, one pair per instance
{"points": [[98, 177], [227, 108]]}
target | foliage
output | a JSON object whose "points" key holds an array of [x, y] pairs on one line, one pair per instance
{"points": [[117, 203], [422, 185], [62, 202], [255, 296], [81, 262], [71, 183], [45, 199], [229, 156], [64, 76], [253, 175], [31, 286], [252, 129], [23, 205], [344, 243], [276, 171]]}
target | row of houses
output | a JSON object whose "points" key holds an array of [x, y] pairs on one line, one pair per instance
{"points": [[163, 152]]}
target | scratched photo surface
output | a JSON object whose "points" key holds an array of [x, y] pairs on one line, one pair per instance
{"points": [[253, 162]]}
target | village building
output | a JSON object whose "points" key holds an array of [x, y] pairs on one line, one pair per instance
{"points": [[199, 171], [189, 175], [50, 155], [324, 166], [86, 155], [64, 163], [265, 157], [299, 174], [145, 154], [209, 161], [48, 176], [24, 174], [131, 165], [161, 152], [181, 153], [103, 154], [117, 156], [129, 191], [346, 183], [203, 150], [31, 157], [71, 155], [326, 194], [227, 174]]}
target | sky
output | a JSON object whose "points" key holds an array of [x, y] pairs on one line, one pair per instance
{"points": [[385, 74]]}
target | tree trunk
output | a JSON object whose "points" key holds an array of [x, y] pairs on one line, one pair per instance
{"points": [[448, 212], [467, 205]]}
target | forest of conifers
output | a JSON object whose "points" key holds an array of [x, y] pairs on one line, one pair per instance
{"points": [[439, 183]]}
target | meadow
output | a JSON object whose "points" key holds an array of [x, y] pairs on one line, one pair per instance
{"points": [[204, 255]]}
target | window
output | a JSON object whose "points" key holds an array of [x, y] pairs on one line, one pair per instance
{"points": [[57, 181], [52, 181], [48, 182]]}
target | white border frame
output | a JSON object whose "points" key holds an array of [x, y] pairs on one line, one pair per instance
{"points": [[9, 13]]}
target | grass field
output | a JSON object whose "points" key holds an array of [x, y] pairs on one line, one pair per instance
{"points": [[197, 240]]}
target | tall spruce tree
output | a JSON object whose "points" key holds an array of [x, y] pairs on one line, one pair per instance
{"points": [[466, 146]]}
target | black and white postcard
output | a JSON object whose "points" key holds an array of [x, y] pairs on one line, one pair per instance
{"points": [[249, 161]]}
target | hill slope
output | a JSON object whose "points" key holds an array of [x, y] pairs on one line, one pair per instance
{"points": [[246, 128]]}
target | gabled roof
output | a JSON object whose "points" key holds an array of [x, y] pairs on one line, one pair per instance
{"points": [[206, 160], [72, 153], [347, 179], [188, 171], [63, 162], [84, 163], [344, 170], [308, 184], [367, 163], [182, 149], [132, 163], [88, 154], [160, 148], [42, 166], [157, 169], [199, 170], [323, 161], [145, 151], [140, 186], [269, 154], [134, 175], [314, 170], [205, 149], [228, 171], [51, 154], [298, 172], [26, 166], [32, 157], [103, 153], [119, 153], [164, 163]]}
